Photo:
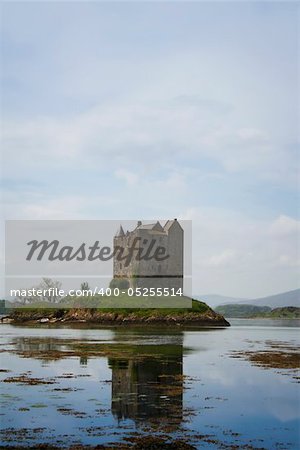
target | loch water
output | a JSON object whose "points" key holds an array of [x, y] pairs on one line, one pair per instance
{"points": [[90, 385]]}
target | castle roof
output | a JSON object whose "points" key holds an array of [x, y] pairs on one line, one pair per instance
{"points": [[148, 226], [152, 227], [169, 223]]}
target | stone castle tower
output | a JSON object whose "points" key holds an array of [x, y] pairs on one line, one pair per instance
{"points": [[155, 272]]}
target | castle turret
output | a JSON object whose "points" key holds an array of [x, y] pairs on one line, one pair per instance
{"points": [[120, 232]]}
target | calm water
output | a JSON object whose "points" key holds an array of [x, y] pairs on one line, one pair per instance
{"points": [[105, 384]]}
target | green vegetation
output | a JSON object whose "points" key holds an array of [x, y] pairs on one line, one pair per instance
{"points": [[253, 311], [197, 307], [138, 305], [238, 310], [286, 312], [115, 303]]}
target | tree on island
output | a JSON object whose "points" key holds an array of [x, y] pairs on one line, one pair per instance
{"points": [[84, 287]]}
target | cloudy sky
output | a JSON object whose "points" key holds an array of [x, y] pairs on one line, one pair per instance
{"points": [[160, 110]]}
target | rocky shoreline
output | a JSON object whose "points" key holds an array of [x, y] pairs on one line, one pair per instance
{"points": [[207, 319]]}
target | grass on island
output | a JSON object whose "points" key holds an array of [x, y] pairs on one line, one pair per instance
{"points": [[139, 306]]}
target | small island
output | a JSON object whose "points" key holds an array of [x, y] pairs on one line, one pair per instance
{"points": [[147, 285], [199, 315]]}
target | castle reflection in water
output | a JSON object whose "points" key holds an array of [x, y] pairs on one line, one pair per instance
{"points": [[147, 387], [147, 377]]}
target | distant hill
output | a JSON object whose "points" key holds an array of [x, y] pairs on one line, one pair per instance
{"points": [[252, 311], [290, 298], [287, 312], [242, 311]]}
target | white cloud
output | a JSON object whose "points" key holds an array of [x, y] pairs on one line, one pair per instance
{"points": [[223, 258], [253, 135], [145, 134], [262, 262], [55, 206], [284, 225], [129, 177], [289, 261]]}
